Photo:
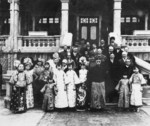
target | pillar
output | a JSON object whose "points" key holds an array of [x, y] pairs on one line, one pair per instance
{"points": [[146, 21], [14, 24], [64, 16], [117, 17]]}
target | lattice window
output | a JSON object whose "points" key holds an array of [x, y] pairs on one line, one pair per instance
{"points": [[51, 21], [127, 19], [122, 20], [56, 20], [134, 19], [93, 20], [84, 20], [44, 20]]}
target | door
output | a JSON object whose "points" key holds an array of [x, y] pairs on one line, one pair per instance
{"points": [[89, 29]]}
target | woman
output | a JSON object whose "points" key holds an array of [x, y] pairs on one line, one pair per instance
{"points": [[18, 98]]}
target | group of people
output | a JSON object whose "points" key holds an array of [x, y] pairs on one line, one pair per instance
{"points": [[79, 77]]}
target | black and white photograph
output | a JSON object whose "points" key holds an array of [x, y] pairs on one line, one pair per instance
{"points": [[74, 62]]}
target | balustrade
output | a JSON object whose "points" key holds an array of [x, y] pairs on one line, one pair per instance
{"points": [[38, 44], [137, 43]]}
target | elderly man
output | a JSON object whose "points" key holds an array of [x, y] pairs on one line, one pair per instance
{"points": [[96, 85]]}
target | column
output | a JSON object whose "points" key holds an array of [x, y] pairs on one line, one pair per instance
{"points": [[146, 21], [117, 17], [14, 23], [64, 16]]}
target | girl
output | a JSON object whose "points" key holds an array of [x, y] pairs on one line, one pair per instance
{"points": [[123, 89], [71, 87], [61, 97], [18, 98], [29, 92], [48, 91], [136, 81], [81, 88]]}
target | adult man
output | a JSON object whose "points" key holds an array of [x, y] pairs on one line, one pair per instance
{"points": [[96, 85], [103, 47]]}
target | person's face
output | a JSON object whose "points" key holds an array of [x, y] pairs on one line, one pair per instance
{"points": [[94, 46], [126, 49], [56, 60], [88, 44], [112, 41], [124, 56], [27, 67], [69, 56], [82, 66], [112, 56], [47, 66], [59, 67], [124, 76], [39, 63], [136, 70], [21, 67], [70, 67], [99, 51], [111, 50], [98, 62], [65, 47], [128, 63], [102, 42]]}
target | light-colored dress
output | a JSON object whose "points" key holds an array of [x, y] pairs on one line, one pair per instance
{"points": [[136, 81], [61, 100], [71, 87], [29, 91], [123, 88]]}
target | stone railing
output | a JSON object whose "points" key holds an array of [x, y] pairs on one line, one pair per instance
{"points": [[137, 43], [30, 44]]}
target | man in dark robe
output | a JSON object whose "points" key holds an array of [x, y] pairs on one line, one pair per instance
{"points": [[96, 85]]}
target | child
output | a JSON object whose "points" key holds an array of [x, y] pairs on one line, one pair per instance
{"points": [[123, 89], [18, 97], [136, 81], [48, 91], [81, 88], [71, 87], [29, 92], [61, 101]]}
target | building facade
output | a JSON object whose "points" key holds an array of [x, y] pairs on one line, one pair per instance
{"points": [[91, 20]]}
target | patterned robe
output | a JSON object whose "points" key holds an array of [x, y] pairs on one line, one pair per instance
{"points": [[81, 89], [123, 88], [61, 100], [136, 81], [71, 87], [29, 91], [18, 97]]}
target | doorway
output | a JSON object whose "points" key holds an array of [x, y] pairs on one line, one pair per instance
{"points": [[89, 29]]}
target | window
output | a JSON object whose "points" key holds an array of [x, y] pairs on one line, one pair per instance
{"points": [[93, 33], [128, 19], [84, 20], [56, 20], [93, 20], [44, 20], [84, 32], [134, 19], [51, 20], [122, 20]]}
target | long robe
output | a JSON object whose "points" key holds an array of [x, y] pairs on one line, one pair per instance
{"points": [[18, 97], [123, 89], [61, 100], [29, 91], [136, 81], [96, 85], [71, 87]]}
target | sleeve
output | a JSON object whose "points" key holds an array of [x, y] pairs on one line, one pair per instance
{"points": [[66, 79], [43, 89], [76, 79], [131, 78], [118, 86], [143, 81], [13, 78]]}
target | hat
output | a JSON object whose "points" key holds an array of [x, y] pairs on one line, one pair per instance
{"points": [[16, 63], [64, 61], [56, 56], [28, 61], [83, 61], [40, 60]]}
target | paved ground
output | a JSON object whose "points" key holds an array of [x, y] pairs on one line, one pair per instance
{"points": [[110, 117], [107, 118]]}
